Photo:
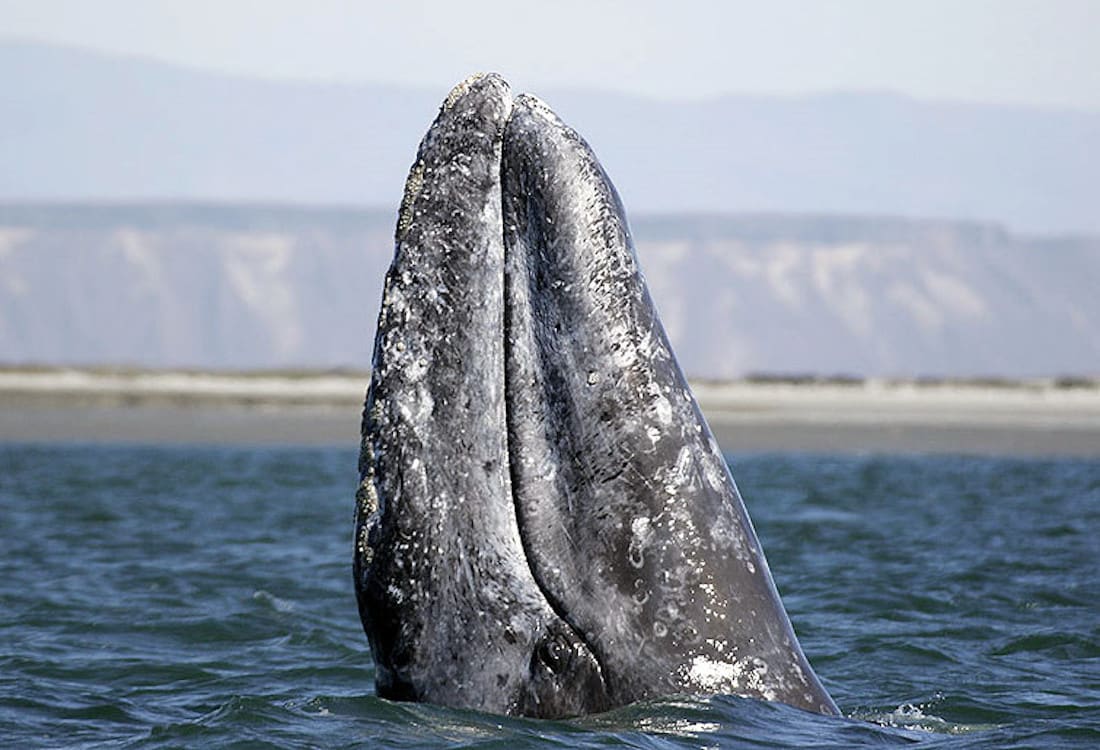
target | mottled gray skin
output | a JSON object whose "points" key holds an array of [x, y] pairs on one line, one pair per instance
{"points": [[445, 592], [545, 524]]}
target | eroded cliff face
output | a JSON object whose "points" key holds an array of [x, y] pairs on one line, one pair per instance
{"points": [[253, 286]]}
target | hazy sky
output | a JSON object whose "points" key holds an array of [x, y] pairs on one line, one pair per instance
{"points": [[1024, 51]]}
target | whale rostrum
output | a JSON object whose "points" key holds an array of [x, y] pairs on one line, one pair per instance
{"points": [[545, 525]]}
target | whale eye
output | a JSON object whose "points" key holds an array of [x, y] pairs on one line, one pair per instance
{"points": [[554, 653], [565, 679]]}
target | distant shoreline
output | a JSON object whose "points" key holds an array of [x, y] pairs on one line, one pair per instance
{"points": [[1048, 417]]}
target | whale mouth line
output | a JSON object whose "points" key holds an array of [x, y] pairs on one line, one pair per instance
{"points": [[544, 166], [526, 542], [509, 281]]}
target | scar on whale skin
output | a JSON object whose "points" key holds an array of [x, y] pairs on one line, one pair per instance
{"points": [[545, 525]]}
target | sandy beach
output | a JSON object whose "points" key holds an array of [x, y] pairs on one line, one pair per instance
{"points": [[1040, 418]]}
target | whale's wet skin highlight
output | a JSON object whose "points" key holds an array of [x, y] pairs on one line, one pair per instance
{"points": [[545, 526], [185, 597]]}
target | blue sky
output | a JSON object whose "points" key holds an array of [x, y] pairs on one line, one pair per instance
{"points": [[1043, 52]]}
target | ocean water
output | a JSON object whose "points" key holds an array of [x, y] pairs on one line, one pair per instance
{"points": [[201, 597]]}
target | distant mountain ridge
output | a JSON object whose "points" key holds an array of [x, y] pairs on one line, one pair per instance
{"points": [[264, 286], [85, 126]]}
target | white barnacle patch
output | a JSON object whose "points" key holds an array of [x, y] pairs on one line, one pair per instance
{"points": [[433, 296], [720, 645], [797, 671], [754, 678], [393, 301], [367, 497], [712, 676], [714, 474], [396, 594], [684, 460], [461, 88], [366, 552], [661, 405], [748, 677], [413, 186], [711, 606], [416, 408], [726, 533], [547, 470], [640, 533], [679, 477]]}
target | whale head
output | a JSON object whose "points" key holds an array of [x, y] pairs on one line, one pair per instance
{"points": [[545, 525]]}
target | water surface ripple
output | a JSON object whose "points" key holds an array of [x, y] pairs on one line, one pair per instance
{"points": [[188, 597]]}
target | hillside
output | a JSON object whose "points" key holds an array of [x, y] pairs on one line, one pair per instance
{"points": [[260, 286]]}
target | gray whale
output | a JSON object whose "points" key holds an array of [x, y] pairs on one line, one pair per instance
{"points": [[545, 525]]}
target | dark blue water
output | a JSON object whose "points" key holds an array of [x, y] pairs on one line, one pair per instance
{"points": [[186, 597]]}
